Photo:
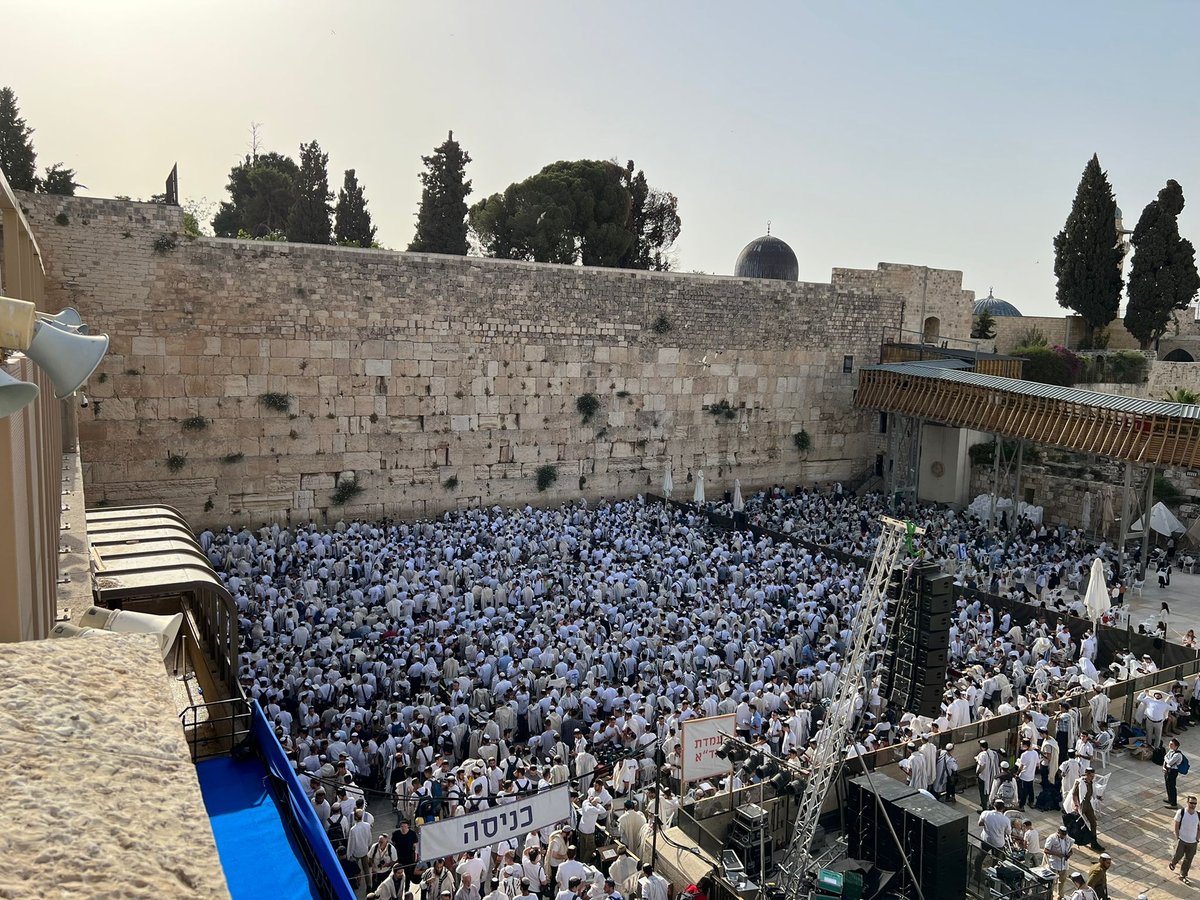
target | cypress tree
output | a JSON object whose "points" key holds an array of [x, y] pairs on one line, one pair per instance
{"points": [[17, 157], [352, 223], [1088, 251], [1163, 275], [442, 218], [309, 218]]}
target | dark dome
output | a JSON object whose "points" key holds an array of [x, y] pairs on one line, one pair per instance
{"points": [[767, 257], [996, 306]]}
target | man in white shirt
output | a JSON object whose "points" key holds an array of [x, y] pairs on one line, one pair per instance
{"points": [[1057, 853], [987, 769], [652, 886], [994, 831], [1186, 827], [1027, 765]]}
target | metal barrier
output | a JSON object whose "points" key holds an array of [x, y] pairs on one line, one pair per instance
{"points": [[215, 735]]}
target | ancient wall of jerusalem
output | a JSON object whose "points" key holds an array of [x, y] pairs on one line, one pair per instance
{"points": [[445, 381]]}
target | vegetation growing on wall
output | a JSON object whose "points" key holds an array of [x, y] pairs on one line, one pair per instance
{"points": [[546, 476], [587, 405], [275, 401], [802, 441], [723, 410], [175, 462], [347, 489], [194, 423]]}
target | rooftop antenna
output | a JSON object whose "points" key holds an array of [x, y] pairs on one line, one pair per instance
{"points": [[768, 227]]}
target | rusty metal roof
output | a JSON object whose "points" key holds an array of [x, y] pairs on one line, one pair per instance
{"points": [[1047, 391]]}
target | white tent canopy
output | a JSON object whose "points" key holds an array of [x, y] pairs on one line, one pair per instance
{"points": [[1162, 520]]}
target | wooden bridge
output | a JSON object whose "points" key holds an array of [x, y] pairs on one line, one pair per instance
{"points": [[1150, 432]]}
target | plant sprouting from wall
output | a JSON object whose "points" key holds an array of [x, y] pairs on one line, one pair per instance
{"points": [[275, 401], [546, 476]]}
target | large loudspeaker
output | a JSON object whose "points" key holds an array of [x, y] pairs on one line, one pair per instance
{"points": [[67, 630], [15, 394], [922, 657], [67, 356], [937, 603], [935, 842], [165, 628]]}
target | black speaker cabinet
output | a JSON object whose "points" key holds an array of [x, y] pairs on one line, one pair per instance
{"points": [[935, 842]]}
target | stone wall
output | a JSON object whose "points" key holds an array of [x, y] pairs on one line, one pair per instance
{"points": [[446, 381]]}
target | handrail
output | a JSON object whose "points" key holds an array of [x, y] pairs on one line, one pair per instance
{"points": [[226, 741]]}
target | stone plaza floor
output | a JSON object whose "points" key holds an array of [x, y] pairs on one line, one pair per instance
{"points": [[1135, 825]]}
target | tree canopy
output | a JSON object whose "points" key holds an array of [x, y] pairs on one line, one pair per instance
{"points": [[654, 221], [1088, 251], [262, 192], [442, 217], [17, 156], [1163, 275], [352, 222], [309, 218], [984, 326], [587, 211], [59, 180]]}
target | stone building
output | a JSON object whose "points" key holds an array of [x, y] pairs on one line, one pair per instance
{"points": [[247, 380]]}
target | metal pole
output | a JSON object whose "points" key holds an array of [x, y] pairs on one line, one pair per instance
{"points": [[995, 475], [1146, 521], [1124, 536], [1017, 488]]}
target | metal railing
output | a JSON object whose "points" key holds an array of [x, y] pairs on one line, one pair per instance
{"points": [[210, 735]]}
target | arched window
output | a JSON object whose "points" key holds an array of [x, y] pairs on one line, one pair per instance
{"points": [[933, 330], [1178, 355]]}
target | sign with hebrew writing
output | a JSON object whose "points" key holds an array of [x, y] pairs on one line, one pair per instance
{"points": [[701, 740], [473, 830]]}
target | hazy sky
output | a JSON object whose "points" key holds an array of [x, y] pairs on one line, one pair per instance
{"points": [[944, 134]]}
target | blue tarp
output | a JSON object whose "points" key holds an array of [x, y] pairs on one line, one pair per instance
{"points": [[305, 815]]}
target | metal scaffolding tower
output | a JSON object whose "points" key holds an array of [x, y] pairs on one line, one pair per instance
{"points": [[894, 543]]}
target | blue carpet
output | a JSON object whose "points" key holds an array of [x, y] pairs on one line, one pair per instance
{"points": [[257, 854]]}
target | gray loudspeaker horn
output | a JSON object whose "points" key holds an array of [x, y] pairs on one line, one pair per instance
{"points": [[67, 357], [15, 394], [68, 317]]}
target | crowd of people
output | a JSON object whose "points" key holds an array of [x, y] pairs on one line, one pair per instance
{"points": [[461, 663]]}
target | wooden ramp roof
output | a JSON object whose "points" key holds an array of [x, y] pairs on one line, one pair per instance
{"points": [[1123, 428]]}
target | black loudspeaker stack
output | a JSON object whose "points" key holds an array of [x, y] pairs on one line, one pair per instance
{"points": [[932, 836], [919, 608], [750, 838]]}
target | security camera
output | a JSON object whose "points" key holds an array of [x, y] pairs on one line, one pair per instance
{"points": [[83, 401]]}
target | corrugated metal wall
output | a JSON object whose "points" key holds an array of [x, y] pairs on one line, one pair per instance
{"points": [[31, 458]]}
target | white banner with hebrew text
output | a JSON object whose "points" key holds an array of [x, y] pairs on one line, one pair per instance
{"points": [[473, 830], [701, 740]]}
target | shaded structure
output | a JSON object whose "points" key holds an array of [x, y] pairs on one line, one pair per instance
{"points": [[1126, 428], [1149, 433]]}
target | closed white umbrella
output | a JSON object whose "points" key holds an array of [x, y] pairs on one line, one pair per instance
{"points": [[698, 497], [1085, 514], [1108, 516], [738, 503], [668, 483], [1162, 520], [1097, 601]]}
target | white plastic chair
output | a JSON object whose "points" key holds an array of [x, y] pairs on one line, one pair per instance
{"points": [[1138, 585]]}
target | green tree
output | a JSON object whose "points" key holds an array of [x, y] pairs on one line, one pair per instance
{"points": [[1182, 395], [352, 223], [568, 212], [262, 191], [442, 218], [59, 180], [17, 157], [654, 221], [1163, 275], [984, 327], [309, 220], [1088, 251]]}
